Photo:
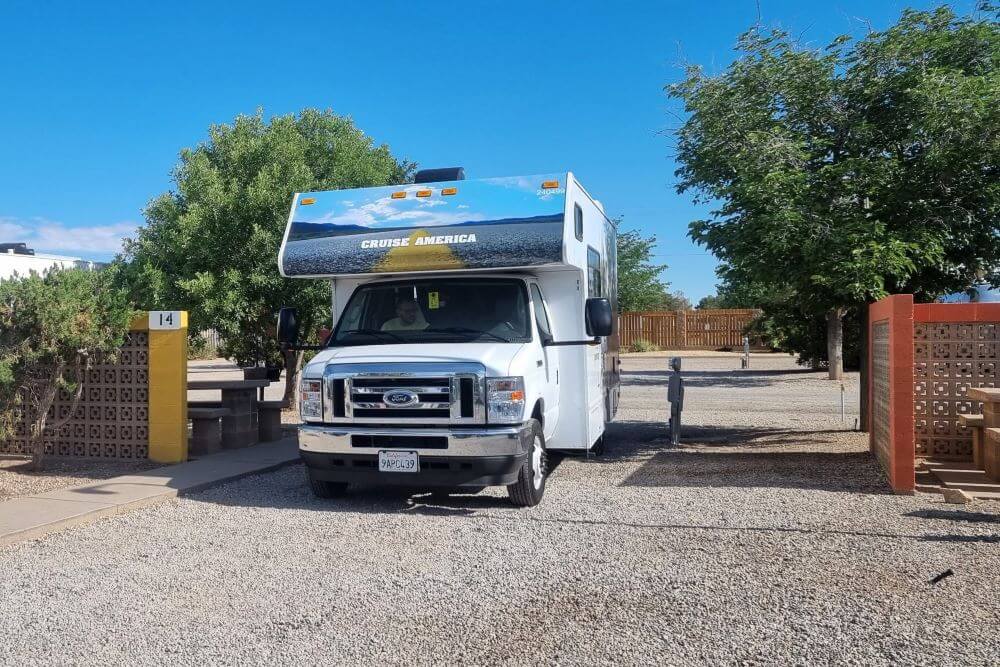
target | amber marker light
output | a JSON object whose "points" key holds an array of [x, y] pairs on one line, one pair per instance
{"points": [[449, 191], [307, 201], [423, 193], [550, 185], [398, 195]]}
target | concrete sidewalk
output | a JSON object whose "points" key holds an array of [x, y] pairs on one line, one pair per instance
{"points": [[34, 516]]}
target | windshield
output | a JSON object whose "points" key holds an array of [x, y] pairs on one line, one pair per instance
{"points": [[435, 310]]}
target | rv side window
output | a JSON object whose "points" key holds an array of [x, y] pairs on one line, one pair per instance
{"points": [[541, 317], [594, 284], [578, 221]]}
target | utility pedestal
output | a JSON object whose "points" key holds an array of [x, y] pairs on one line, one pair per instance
{"points": [[675, 396]]}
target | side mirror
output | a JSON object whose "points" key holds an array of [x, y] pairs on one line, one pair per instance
{"points": [[600, 320], [288, 327]]}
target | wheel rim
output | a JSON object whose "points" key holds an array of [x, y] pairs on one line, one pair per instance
{"points": [[537, 463]]}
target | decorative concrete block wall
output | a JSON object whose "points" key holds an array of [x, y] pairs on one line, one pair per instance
{"points": [[922, 359], [949, 358], [132, 408]]}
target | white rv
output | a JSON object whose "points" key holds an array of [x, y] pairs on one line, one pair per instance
{"points": [[474, 331]]}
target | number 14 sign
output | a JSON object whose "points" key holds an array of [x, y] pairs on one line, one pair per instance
{"points": [[164, 319]]}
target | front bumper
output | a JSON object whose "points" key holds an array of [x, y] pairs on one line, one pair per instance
{"points": [[459, 457]]}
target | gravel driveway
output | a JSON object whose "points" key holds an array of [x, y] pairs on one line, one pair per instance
{"points": [[758, 541]]}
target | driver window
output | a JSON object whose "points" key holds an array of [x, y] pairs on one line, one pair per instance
{"points": [[352, 318], [541, 317]]}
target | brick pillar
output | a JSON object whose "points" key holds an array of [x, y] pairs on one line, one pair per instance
{"points": [[897, 455]]}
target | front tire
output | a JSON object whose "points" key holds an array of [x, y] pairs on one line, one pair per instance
{"points": [[324, 489], [529, 488]]}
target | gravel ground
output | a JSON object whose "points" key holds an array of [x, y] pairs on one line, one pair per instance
{"points": [[768, 538], [17, 478]]}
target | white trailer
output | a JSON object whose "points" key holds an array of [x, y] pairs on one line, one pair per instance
{"points": [[18, 260], [475, 331]]}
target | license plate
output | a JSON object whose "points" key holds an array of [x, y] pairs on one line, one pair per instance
{"points": [[394, 461]]}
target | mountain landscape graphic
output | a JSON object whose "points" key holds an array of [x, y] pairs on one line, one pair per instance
{"points": [[313, 230]]}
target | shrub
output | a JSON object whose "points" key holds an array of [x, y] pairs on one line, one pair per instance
{"points": [[641, 345], [52, 329]]}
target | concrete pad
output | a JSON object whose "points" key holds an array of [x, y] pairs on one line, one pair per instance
{"points": [[31, 517]]}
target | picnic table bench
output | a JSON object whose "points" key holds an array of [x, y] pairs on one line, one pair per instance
{"points": [[975, 424], [206, 429], [269, 419], [990, 436], [239, 397]]}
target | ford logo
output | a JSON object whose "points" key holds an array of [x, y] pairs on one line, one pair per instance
{"points": [[400, 398]]}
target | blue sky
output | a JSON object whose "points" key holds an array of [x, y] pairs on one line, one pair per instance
{"points": [[96, 99]]}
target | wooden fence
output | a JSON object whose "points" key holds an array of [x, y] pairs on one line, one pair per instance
{"points": [[687, 329]]}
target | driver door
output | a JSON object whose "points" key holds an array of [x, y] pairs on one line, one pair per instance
{"points": [[547, 361]]}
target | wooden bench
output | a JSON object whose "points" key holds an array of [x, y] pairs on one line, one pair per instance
{"points": [[206, 429], [269, 420], [991, 454], [975, 424]]}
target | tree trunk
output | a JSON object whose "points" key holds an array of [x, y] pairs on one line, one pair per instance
{"points": [[835, 343], [44, 404], [293, 372], [45, 398]]}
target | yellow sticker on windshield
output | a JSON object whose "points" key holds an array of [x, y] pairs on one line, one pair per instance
{"points": [[432, 300]]}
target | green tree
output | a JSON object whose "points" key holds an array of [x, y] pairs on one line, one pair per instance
{"points": [[639, 285], [853, 171], [731, 296], [710, 302], [211, 244], [674, 301], [52, 329]]}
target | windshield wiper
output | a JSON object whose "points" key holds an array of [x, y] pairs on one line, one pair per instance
{"points": [[371, 332], [467, 330]]}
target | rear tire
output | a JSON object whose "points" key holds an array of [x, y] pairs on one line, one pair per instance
{"points": [[529, 488], [597, 449], [324, 489]]}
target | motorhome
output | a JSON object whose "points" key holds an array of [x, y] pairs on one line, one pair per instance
{"points": [[475, 331]]}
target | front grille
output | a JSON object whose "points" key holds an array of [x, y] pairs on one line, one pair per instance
{"points": [[466, 396], [339, 398], [395, 413], [356, 393], [403, 383], [403, 441]]}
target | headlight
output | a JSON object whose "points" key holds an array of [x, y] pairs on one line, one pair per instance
{"points": [[311, 400], [505, 400]]}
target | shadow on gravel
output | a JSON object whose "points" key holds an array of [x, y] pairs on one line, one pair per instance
{"points": [[714, 456], [848, 472], [365, 500], [965, 539], [956, 515]]}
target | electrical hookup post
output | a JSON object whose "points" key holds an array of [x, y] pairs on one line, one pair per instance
{"points": [[675, 396]]}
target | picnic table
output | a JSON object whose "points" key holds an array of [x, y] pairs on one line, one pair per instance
{"points": [[991, 428], [239, 426]]}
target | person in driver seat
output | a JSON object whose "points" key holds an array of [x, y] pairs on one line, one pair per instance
{"points": [[409, 317]]}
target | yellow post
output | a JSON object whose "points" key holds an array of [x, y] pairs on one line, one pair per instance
{"points": [[168, 441]]}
